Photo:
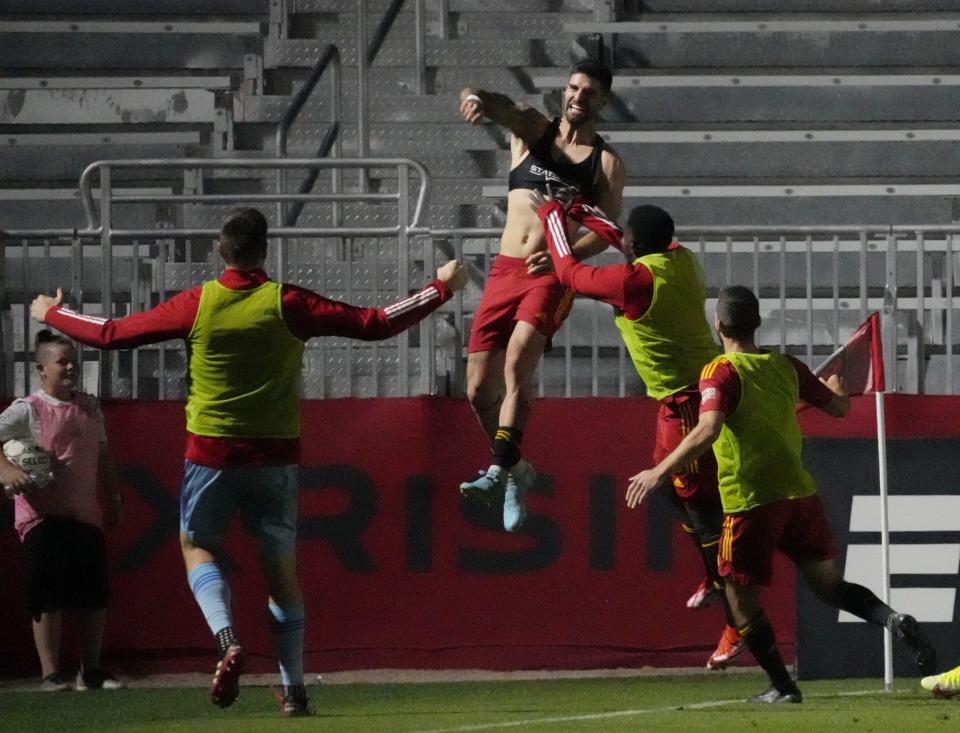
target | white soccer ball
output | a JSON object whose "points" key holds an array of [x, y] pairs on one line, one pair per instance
{"points": [[31, 459]]}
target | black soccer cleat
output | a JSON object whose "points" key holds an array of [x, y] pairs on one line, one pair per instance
{"points": [[906, 629], [773, 696], [225, 688]]}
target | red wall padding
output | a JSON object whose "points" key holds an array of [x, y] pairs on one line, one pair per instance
{"points": [[398, 572]]}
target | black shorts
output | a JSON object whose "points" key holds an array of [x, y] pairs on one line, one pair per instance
{"points": [[66, 566]]}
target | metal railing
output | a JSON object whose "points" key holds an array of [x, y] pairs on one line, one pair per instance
{"points": [[816, 284], [152, 241]]}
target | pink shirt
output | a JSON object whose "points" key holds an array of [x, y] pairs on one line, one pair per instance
{"points": [[72, 433]]}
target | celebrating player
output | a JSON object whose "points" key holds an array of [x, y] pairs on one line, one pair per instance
{"points": [[246, 334], [523, 303], [748, 415], [659, 297]]}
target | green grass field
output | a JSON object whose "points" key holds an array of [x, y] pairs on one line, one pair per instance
{"points": [[682, 703]]}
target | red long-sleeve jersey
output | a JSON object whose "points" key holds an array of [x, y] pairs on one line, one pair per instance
{"points": [[306, 313], [628, 287]]}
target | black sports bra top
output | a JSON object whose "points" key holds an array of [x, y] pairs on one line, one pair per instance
{"points": [[540, 167]]}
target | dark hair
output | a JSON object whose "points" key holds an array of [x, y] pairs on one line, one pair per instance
{"points": [[738, 312], [595, 70], [244, 235], [44, 338], [652, 229]]}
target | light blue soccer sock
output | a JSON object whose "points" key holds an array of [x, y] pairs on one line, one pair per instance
{"points": [[212, 592], [287, 626]]}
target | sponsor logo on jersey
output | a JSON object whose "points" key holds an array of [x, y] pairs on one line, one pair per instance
{"points": [[548, 175]]}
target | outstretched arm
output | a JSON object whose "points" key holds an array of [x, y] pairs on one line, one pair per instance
{"points": [[309, 314], [608, 198], [695, 444], [169, 320], [627, 287], [525, 122]]}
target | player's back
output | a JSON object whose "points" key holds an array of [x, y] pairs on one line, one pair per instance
{"points": [[244, 365]]}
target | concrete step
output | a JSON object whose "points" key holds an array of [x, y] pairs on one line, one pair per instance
{"points": [[429, 108], [743, 204], [788, 154], [402, 140], [37, 51], [399, 51], [401, 80], [751, 96], [786, 44], [124, 8], [803, 6], [455, 6], [106, 106], [462, 25]]}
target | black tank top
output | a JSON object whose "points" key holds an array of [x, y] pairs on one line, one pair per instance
{"points": [[539, 166]]}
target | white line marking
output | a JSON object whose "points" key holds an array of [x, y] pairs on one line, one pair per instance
{"points": [[624, 713]]}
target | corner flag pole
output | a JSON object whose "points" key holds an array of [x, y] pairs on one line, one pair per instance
{"points": [[884, 538], [860, 363]]}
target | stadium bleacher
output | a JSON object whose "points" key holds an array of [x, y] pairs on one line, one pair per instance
{"points": [[823, 113]]}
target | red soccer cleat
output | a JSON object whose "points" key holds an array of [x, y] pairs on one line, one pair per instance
{"points": [[705, 594], [225, 688], [731, 646]]}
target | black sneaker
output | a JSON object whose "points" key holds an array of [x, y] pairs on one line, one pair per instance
{"points": [[907, 630], [54, 683], [294, 702], [97, 679], [773, 696]]}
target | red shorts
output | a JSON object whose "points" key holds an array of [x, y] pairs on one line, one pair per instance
{"points": [[677, 416], [796, 527], [511, 295]]}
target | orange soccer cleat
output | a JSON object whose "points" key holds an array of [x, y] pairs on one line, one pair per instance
{"points": [[731, 646]]}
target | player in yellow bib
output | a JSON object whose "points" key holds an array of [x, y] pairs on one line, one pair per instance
{"points": [[748, 415], [245, 334], [659, 298]]}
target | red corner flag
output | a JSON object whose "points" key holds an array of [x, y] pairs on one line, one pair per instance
{"points": [[859, 361]]}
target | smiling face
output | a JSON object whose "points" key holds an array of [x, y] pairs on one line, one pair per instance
{"points": [[57, 367], [583, 99]]}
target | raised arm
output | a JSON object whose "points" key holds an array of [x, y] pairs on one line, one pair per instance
{"points": [[625, 286], [608, 197], [525, 122], [829, 395], [309, 314]]}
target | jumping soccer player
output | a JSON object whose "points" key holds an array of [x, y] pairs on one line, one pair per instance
{"points": [[246, 334], [748, 415], [523, 303], [659, 298]]}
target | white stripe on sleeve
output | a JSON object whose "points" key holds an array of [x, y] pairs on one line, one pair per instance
{"points": [[559, 234], [81, 317], [414, 301]]}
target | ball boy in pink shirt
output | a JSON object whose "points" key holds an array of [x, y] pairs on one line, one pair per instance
{"points": [[61, 523]]}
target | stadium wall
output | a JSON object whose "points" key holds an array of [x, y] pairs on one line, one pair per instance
{"points": [[399, 572]]}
